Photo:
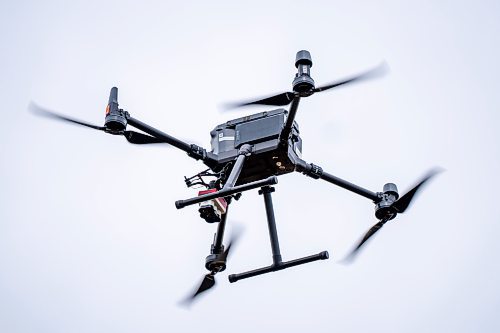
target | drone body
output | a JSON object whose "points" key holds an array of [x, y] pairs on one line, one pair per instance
{"points": [[249, 153], [262, 131]]}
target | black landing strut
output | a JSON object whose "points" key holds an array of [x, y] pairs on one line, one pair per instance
{"points": [[278, 264]]}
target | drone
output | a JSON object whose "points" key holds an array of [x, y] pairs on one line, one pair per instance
{"points": [[250, 153]]}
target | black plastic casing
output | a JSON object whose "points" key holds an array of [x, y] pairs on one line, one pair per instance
{"points": [[261, 131], [115, 121]]}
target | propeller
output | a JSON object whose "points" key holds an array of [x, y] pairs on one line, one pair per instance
{"points": [[404, 201], [398, 206], [287, 97], [131, 136], [208, 280]]}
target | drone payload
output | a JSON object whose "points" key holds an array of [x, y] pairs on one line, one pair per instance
{"points": [[212, 210]]}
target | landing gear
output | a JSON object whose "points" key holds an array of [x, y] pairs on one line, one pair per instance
{"points": [[277, 264]]}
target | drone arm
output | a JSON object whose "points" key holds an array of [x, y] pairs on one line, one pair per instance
{"points": [[231, 180], [244, 151], [192, 150], [219, 236], [285, 132], [317, 172]]}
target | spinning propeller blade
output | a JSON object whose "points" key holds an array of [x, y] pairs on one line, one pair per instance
{"points": [[367, 236], [404, 201], [131, 136], [208, 280], [234, 239], [375, 72], [207, 283], [51, 114], [287, 97], [399, 206], [140, 138], [276, 100]]}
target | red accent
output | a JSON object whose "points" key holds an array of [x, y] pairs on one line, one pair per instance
{"points": [[207, 191], [221, 203]]}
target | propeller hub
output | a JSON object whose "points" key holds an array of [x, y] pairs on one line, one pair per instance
{"points": [[303, 84], [115, 123], [383, 211], [215, 262]]}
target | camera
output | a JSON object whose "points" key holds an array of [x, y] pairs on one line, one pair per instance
{"points": [[212, 210]]}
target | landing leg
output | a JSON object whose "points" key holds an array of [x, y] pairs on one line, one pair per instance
{"points": [[271, 223], [275, 247]]}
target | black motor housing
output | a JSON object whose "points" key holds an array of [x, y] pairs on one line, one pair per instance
{"points": [[303, 81], [115, 121]]}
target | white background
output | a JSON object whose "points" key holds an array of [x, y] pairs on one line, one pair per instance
{"points": [[90, 240]]}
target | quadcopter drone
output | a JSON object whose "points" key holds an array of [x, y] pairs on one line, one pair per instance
{"points": [[250, 153]]}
